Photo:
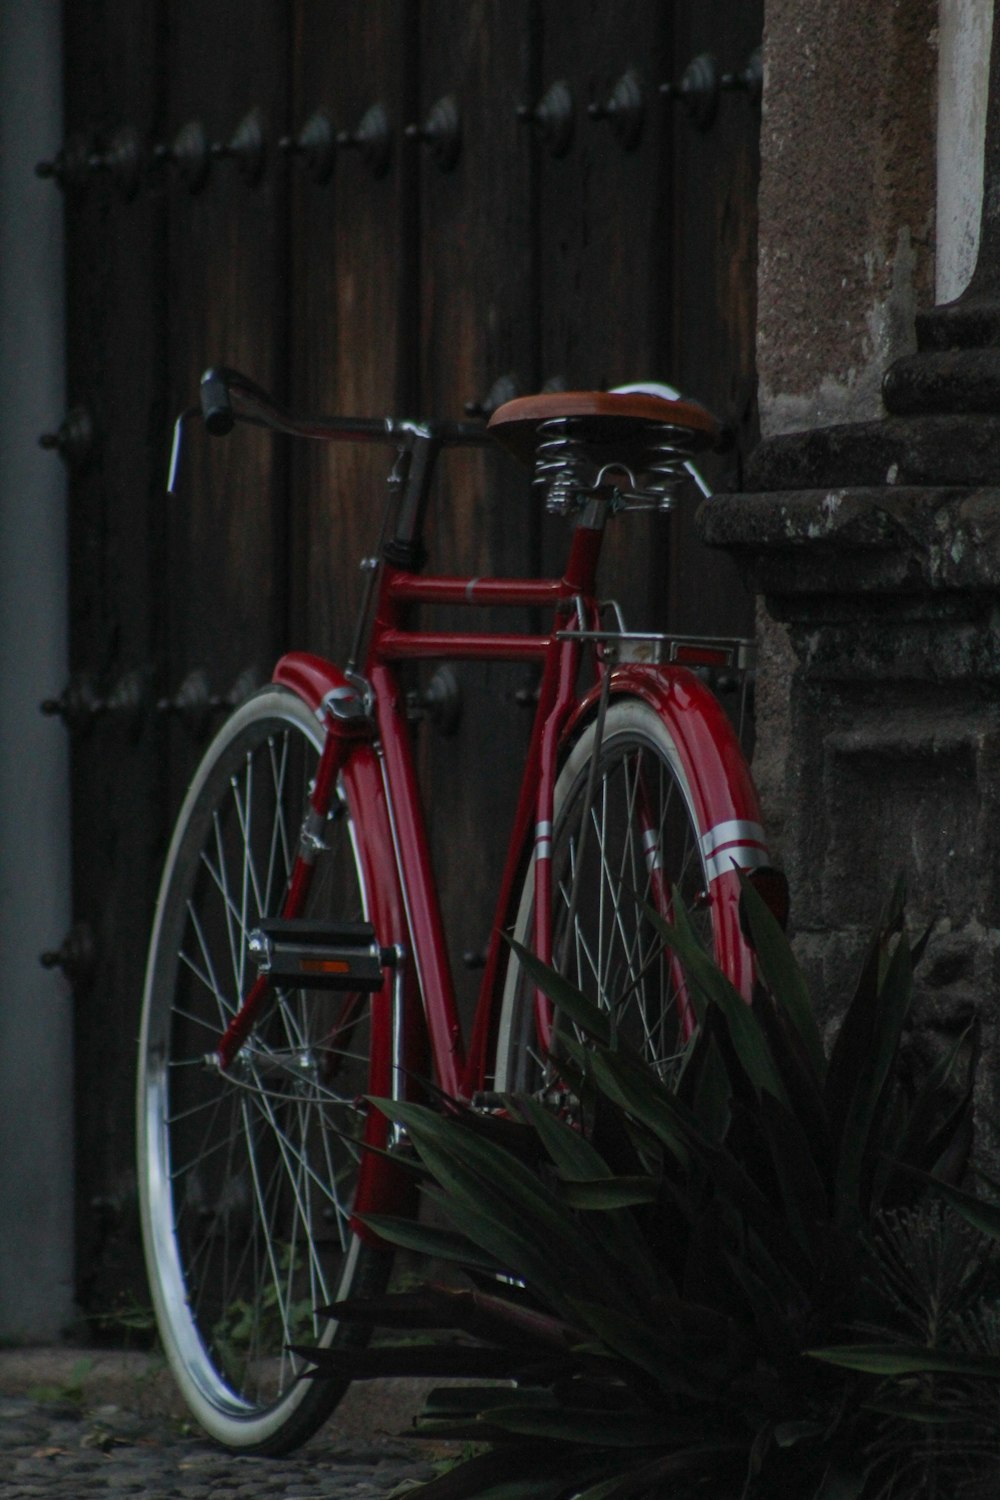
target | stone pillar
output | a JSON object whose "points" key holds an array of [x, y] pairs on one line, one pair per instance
{"points": [[875, 550]]}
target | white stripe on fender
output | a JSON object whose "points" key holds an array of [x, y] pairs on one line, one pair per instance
{"points": [[735, 843], [735, 831]]}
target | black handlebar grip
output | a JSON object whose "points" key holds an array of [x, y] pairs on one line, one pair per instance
{"points": [[216, 406]]}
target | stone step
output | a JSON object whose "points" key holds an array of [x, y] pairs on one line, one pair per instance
{"points": [[922, 450]]}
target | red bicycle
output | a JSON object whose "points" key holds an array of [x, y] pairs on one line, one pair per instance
{"points": [[298, 961]]}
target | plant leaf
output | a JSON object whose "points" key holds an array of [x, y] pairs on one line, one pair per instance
{"points": [[438, 1360], [565, 996], [781, 972], [854, 1038], [604, 1193], [502, 1206], [521, 1473], [858, 1147], [594, 1428], [744, 1029], [428, 1239], [903, 1359], [642, 1345], [978, 1212]]}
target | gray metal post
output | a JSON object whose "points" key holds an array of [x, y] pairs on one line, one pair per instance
{"points": [[36, 1093]]}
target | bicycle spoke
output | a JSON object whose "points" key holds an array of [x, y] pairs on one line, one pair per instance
{"points": [[252, 1169], [211, 983], [279, 833], [217, 873], [225, 1010], [641, 839]]}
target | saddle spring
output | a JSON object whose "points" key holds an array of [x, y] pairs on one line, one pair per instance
{"points": [[570, 467]]}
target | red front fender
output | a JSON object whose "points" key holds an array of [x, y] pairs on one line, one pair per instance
{"points": [[381, 1187]]}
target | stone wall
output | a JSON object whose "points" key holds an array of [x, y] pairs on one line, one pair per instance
{"points": [[870, 525], [846, 201]]}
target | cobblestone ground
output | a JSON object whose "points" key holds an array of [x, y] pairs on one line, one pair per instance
{"points": [[70, 1449]]}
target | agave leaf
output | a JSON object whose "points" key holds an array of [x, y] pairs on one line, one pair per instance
{"points": [[782, 974], [615, 1139], [787, 1434], [841, 1482], [513, 1318], [427, 1239], [803, 1192], [859, 1145], [704, 1275], [744, 1029], [596, 1428], [805, 1093], [711, 1094], [934, 1115], [929, 1414], [978, 1212], [635, 1091], [577, 1161], [908, 1359], [534, 1263], [567, 999], [575, 1157], [499, 1319], [447, 1401], [854, 1038], [643, 1346], [429, 1307], [527, 1472], [411, 1360], [949, 1150], [603, 1490], [605, 1193], [671, 1120], [650, 1476], [770, 1299], [501, 1204]]}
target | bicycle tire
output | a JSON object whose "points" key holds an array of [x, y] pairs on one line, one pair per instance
{"points": [[247, 1177], [614, 954]]}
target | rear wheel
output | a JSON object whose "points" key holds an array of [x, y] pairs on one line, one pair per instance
{"points": [[247, 1176], [640, 840]]}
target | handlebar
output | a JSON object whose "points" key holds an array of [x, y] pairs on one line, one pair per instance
{"points": [[227, 397]]}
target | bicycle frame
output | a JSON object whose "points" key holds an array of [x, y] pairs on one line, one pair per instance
{"points": [[368, 744]]}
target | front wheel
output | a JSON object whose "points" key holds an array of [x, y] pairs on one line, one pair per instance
{"points": [[639, 843], [247, 1175]]}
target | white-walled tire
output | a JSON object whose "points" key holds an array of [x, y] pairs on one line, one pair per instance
{"points": [[642, 830], [247, 1176]]}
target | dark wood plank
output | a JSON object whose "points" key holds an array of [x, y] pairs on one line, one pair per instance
{"points": [[116, 293], [478, 322], [713, 279], [604, 247], [227, 540], [354, 317]]}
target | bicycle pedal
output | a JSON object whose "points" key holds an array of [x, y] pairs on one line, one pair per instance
{"points": [[320, 955]]}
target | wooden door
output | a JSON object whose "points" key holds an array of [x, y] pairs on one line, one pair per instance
{"points": [[511, 237]]}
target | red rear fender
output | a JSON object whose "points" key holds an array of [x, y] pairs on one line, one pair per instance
{"points": [[723, 796]]}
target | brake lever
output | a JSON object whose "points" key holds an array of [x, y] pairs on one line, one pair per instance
{"points": [[175, 447]]}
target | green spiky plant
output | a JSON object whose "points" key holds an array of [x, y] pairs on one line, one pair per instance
{"points": [[693, 1286]]}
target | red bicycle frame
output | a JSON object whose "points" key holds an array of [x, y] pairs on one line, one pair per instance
{"points": [[368, 744]]}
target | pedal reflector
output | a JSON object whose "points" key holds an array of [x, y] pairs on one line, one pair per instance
{"points": [[320, 955]]}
